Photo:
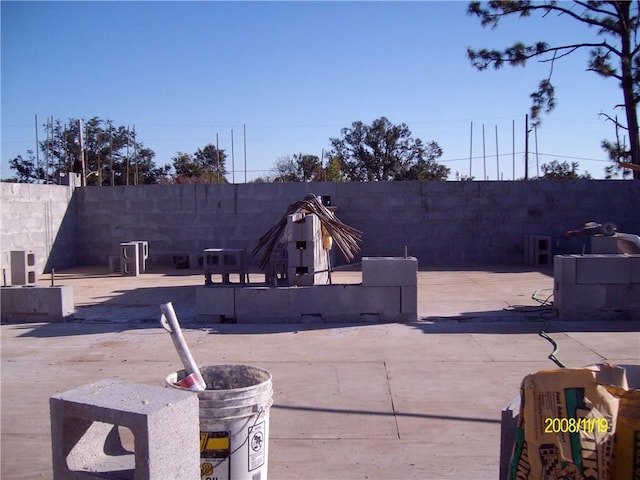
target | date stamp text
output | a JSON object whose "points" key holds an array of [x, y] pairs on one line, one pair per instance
{"points": [[575, 425]]}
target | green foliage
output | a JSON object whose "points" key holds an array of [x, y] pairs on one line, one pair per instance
{"points": [[562, 171], [112, 155], [616, 56], [298, 168], [383, 151], [206, 165], [26, 169]]}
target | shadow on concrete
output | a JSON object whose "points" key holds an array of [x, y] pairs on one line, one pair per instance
{"points": [[384, 414], [266, 328], [70, 329], [122, 310], [473, 324], [548, 271], [64, 247]]}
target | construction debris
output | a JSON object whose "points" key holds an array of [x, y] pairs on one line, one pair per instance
{"points": [[345, 237]]}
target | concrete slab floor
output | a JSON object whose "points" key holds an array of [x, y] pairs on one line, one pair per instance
{"points": [[351, 401]]}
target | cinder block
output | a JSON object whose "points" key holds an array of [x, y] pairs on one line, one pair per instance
{"points": [[634, 268], [569, 296], [301, 254], [564, 269], [164, 423], [23, 267], [114, 263], [303, 228], [603, 269], [181, 260], [409, 300], [143, 254], [224, 261], [217, 301], [306, 276], [603, 244], [265, 305], [129, 259], [331, 303], [37, 304], [537, 250], [196, 261], [389, 271]]}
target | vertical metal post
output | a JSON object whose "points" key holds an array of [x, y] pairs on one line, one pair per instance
{"points": [[233, 161], [83, 180]]}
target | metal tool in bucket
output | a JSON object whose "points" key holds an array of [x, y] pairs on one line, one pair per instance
{"points": [[193, 380], [234, 421]]}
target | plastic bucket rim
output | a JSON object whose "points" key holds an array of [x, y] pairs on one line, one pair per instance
{"points": [[183, 373]]}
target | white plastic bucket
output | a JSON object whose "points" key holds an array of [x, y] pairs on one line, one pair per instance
{"points": [[234, 421]]}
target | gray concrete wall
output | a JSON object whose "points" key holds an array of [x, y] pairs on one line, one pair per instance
{"points": [[442, 223], [41, 218]]}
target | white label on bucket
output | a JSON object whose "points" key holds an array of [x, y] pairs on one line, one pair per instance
{"points": [[214, 455], [256, 446]]}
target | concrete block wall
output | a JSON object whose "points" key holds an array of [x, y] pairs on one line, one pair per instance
{"points": [[597, 287], [444, 223], [441, 223], [40, 218], [318, 303]]}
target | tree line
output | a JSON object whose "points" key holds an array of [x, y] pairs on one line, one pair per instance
{"points": [[383, 151], [113, 155]]}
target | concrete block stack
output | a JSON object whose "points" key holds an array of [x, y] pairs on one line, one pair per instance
{"points": [[224, 262], [308, 260], [394, 272], [597, 287]]}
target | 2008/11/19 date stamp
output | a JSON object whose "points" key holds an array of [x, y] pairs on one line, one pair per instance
{"points": [[575, 425]]}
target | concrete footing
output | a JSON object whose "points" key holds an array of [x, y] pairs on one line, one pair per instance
{"points": [[85, 438], [597, 287], [37, 304]]}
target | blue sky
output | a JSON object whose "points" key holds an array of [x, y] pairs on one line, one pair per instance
{"points": [[295, 74]]}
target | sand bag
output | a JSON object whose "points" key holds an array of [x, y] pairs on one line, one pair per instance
{"points": [[567, 424], [626, 453]]}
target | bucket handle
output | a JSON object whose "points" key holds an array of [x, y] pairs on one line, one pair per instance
{"points": [[260, 412]]}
